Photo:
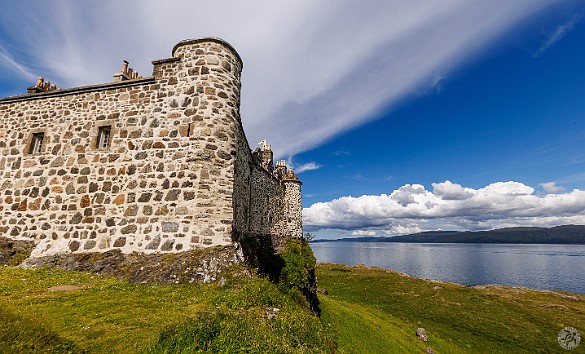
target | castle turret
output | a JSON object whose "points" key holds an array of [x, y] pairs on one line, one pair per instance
{"points": [[206, 82], [266, 156], [280, 169], [293, 206]]}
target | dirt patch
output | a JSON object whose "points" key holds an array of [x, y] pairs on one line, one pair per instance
{"points": [[64, 288]]}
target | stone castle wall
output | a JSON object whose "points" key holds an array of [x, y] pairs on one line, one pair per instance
{"points": [[260, 200], [178, 173]]}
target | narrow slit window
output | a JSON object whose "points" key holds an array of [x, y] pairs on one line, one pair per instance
{"points": [[188, 129], [37, 143], [103, 140]]}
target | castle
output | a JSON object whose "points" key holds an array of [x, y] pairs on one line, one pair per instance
{"points": [[142, 164]]}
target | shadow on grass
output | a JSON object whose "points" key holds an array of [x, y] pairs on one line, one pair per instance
{"points": [[23, 335]]}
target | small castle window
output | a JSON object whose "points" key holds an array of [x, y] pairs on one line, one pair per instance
{"points": [[103, 139], [36, 143]]}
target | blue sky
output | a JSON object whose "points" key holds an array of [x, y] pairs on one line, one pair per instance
{"points": [[399, 117]]}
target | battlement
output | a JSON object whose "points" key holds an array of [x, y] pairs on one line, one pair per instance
{"points": [[142, 164]]}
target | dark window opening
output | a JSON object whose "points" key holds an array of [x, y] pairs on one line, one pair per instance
{"points": [[36, 143], [103, 139], [188, 129], [247, 216]]}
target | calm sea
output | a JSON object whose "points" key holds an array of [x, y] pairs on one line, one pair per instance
{"points": [[545, 267]]}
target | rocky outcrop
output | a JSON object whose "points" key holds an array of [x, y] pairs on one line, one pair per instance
{"points": [[13, 252], [209, 265]]}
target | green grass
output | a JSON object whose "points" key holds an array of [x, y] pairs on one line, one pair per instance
{"points": [[376, 311], [366, 310], [108, 315]]}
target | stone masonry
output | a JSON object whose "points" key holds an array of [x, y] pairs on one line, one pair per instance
{"points": [[145, 164]]}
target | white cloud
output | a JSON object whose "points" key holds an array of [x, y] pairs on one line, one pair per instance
{"points": [[309, 166], [363, 233], [312, 69], [412, 207], [451, 191], [405, 194], [557, 35], [402, 230], [551, 187]]}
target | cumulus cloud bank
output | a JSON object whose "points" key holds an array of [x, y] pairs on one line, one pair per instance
{"points": [[312, 69], [412, 208]]}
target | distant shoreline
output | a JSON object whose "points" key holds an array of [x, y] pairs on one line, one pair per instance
{"points": [[564, 235]]}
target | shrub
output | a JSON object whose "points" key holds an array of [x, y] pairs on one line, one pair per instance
{"points": [[299, 262]]}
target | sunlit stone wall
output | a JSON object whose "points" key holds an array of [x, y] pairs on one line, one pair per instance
{"points": [[176, 172]]}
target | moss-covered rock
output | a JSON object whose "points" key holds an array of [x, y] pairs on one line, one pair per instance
{"points": [[207, 265], [14, 252]]}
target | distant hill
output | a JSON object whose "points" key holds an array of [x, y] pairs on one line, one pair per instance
{"points": [[566, 234]]}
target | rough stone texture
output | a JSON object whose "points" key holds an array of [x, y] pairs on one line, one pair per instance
{"points": [[178, 173]]}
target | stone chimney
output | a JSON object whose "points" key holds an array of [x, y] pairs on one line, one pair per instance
{"points": [[41, 86], [126, 73]]}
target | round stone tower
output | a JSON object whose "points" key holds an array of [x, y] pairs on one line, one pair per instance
{"points": [[207, 101], [293, 207]]}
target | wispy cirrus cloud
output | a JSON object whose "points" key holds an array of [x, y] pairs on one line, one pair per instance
{"points": [[311, 69], [449, 206], [309, 166], [558, 34], [578, 177], [8, 61]]}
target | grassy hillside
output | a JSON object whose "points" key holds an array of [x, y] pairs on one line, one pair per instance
{"points": [[364, 311], [51, 311], [373, 310]]}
